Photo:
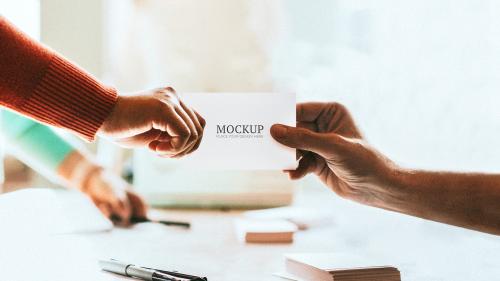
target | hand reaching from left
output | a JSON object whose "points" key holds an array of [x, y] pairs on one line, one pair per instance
{"points": [[157, 119]]}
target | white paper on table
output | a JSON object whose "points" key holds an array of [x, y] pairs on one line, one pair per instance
{"points": [[54, 258], [44, 211], [237, 132]]}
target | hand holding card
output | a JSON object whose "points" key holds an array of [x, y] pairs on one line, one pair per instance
{"points": [[157, 119]]}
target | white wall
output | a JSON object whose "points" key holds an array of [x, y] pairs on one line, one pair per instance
{"points": [[75, 29], [25, 14], [421, 77]]}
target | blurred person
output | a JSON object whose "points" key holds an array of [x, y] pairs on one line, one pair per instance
{"points": [[332, 147], [39, 83], [48, 153]]}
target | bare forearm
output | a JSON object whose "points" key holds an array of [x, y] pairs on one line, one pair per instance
{"points": [[468, 200]]}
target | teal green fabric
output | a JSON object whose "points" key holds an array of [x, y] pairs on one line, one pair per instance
{"points": [[36, 141]]}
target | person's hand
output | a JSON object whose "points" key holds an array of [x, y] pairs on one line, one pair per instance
{"points": [[113, 196], [110, 193], [157, 119], [332, 147]]}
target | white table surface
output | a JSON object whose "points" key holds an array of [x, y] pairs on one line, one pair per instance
{"points": [[422, 250]]}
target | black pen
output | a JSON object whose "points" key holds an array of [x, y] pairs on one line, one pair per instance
{"points": [[164, 222], [133, 220], [131, 270], [144, 273]]}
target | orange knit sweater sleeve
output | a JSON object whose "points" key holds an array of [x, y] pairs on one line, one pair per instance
{"points": [[41, 84]]}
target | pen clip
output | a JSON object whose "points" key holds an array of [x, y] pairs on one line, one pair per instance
{"points": [[179, 275]]}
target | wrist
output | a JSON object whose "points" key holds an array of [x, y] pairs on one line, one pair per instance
{"points": [[396, 188], [109, 121], [77, 170]]}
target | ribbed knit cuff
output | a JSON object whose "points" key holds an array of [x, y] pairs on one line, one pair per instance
{"points": [[70, 98]]}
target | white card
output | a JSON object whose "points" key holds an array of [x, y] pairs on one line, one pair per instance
{"points": [[237, 132]]}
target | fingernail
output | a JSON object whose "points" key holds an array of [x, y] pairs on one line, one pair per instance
{"points": [[279, 131]]}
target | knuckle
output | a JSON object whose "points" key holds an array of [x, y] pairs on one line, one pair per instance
{"points": [[199, 138], [160, 106], [196, 146], [338, 107], [194, 149], [300, 109], [170, 89], [166, 94]]}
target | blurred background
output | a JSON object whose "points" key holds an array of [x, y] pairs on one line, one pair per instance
{"points": [[422, 78]]}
